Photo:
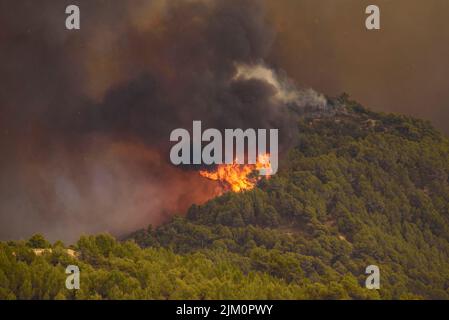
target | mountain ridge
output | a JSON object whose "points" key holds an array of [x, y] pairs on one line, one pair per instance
{"points": [[358, 188]]}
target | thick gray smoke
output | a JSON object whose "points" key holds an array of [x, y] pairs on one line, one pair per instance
{"points": [[86, 115]]}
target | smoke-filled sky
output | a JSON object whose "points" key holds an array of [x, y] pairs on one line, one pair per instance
{"points": [[401, 68], [85, 115]]}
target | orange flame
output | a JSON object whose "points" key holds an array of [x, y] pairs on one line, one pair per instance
{"points": [[237, 177]]}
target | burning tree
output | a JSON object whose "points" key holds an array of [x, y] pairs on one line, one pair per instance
{"points": [[239, 177]]}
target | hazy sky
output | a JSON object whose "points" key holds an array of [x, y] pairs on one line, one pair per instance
{"points": [[402, 68]]}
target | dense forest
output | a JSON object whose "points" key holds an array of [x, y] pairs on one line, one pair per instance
{"points": [[357, 188]]}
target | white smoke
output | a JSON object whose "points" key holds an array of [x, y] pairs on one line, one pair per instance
{"points": [[286, 90]]}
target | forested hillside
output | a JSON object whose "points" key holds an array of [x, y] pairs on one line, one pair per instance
{"points": [[358, 188]]}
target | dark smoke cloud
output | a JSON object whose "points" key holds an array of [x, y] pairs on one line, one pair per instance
{"points": [[87, 115]]}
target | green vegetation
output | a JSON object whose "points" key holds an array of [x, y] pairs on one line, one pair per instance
{"points": [[359, 188]]}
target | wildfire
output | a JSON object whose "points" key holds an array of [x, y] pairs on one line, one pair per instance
{"points": [[238, 177]]}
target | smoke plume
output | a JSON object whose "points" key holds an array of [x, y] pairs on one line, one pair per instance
{"points": [[86, 115]]}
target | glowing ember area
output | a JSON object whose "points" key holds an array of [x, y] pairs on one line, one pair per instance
{"points": [[239, 177]]}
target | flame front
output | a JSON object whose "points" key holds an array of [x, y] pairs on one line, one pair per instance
{"points": [[237, 177]]}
